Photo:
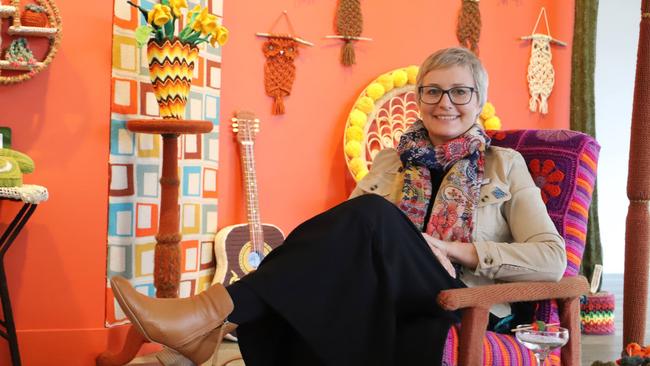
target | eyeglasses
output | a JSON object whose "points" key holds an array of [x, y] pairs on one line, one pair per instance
{"points": [[459, 95]]}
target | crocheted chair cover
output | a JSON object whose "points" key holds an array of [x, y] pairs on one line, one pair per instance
{"points": [[563, 165]]}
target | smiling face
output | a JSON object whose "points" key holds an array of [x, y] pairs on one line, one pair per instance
{"points": [[444, 120]]}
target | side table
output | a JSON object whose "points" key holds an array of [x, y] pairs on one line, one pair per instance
{"points": [[166, 252], [30, 196]]}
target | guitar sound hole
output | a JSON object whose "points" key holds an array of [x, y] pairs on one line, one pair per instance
{"points": [[254, 259]]}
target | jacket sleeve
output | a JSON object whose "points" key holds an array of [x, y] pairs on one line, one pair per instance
{"points": [[537, 252]]}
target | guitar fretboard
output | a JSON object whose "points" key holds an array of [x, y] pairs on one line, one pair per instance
{"points": [[250, 187]]}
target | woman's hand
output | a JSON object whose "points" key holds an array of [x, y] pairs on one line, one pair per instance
{"points": [[463, 253], [436, 243], [441, 254]]}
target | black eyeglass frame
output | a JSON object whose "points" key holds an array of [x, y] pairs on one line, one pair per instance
{"points": [[446, 91]]}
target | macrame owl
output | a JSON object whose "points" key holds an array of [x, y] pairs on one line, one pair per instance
{"points": [[279, 70], [541, 75]]}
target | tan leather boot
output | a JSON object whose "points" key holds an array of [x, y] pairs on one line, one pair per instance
{"points": [[192, 326]]}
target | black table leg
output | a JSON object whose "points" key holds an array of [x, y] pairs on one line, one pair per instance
{"points": [[6, 240]]}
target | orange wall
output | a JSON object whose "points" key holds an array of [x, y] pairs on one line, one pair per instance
{"points": [[300, 164], [56, 267]]}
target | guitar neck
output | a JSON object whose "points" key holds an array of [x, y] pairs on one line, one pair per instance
{"points": [[250, 188]]}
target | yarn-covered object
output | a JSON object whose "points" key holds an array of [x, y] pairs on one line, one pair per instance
{"points": [[597, 313], [541, 75], [279, 69], [349, 23], [171, 68], [468, 29]]}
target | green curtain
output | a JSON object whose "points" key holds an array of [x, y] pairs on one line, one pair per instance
{"points": [[583, 114]]}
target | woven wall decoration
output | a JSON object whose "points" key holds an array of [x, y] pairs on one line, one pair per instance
{"points": [[349, 23], [41, 24], [279, 69], [541, 75], [280, 51], [468, 30]]}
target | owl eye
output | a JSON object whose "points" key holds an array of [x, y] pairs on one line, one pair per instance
{"points": [[271, 47], [290, 49]]}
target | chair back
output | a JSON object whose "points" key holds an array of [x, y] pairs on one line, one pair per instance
{"points": [[563, 165]]}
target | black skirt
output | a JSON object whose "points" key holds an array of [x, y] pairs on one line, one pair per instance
{"points": [[355, 285]]}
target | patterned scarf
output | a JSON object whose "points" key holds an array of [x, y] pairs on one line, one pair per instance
{"points": [[454, 209]]}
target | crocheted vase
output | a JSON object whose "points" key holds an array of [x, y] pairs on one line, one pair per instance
{"points": [[597, 313], [171, 67]]}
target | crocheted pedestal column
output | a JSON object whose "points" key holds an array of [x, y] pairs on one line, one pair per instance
{"points": [[597, 313], [167, 252], [167, 272], [637, 230]]}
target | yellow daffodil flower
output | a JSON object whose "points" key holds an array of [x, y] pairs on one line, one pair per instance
{"points": [[159, 15], [196, 25], [177, 5], [219, 36], [209, 24]]}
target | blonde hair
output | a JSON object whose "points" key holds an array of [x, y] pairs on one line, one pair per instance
{"points": [[456, 56]]}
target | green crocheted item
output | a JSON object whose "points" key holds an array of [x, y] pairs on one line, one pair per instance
{"points": [[10, 174], [12, 166], [19, 52]]}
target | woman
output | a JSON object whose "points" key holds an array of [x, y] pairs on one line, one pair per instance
{"points": [[356, 285]]}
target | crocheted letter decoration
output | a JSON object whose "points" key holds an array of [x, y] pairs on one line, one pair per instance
{"points": [[279, 69], [541, 76]]}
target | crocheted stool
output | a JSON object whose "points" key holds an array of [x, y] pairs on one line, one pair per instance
{"points": [[597, 313]]}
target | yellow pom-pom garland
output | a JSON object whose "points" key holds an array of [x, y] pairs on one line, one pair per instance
{"points": [[353, 149], [365, 104], [364, 110], [357, 165], [492, 123], [386, 81], [412, 72], [358, 118], [375, 91], [488, 111], [354, 133], [400, 78]]}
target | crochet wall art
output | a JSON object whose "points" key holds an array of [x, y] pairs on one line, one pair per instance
{"points": [[541, 75], [280, 51], [468, 29], [31, 40], [135, 161]]}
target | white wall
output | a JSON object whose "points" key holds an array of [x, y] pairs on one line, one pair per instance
{"points": [[616, 47]]}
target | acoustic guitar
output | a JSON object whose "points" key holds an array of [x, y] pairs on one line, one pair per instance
{"points": [[239, 249]]}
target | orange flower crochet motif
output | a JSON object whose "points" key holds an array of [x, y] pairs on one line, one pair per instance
{"points": [[547, 177]]}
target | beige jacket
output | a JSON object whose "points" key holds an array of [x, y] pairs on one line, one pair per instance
{"points": [[514, 237]]}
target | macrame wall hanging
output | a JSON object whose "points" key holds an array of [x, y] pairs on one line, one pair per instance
{"points": [[280, 51], [468, 30], [541, 75], [349, 25]]}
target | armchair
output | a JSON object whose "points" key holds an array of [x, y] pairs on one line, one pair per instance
{"points": [[563, 165]]}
